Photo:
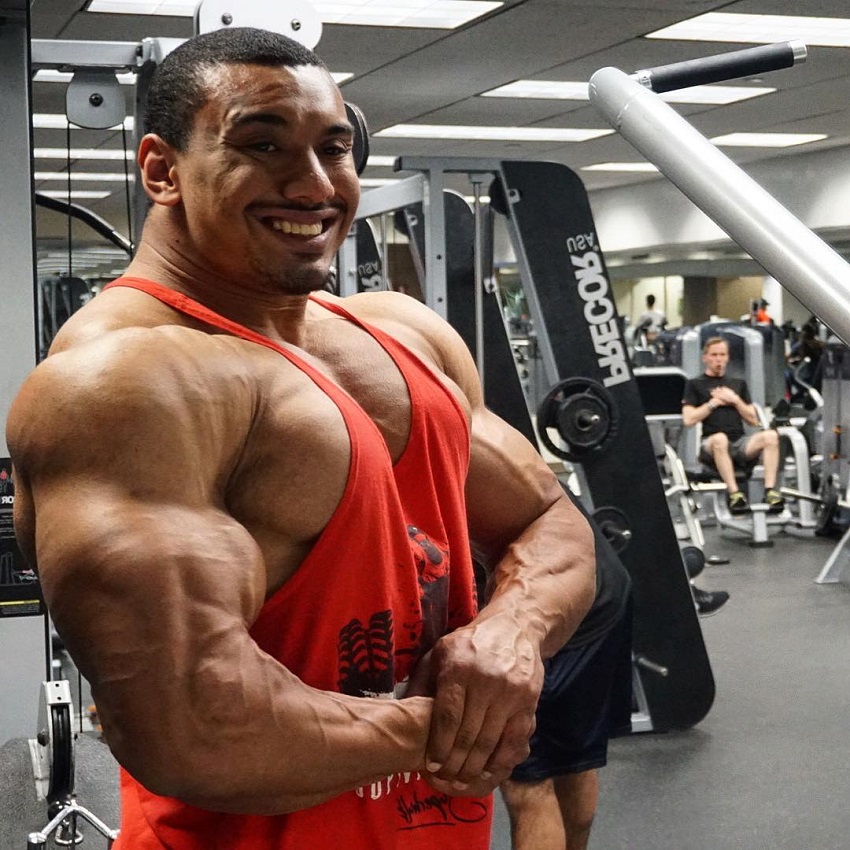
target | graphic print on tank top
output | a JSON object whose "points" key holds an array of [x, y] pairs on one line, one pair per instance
{"points": [[368, 664]]}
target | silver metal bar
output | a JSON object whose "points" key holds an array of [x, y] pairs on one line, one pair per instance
{"points": [[802, 262], [393, 196], [62, 53], [434, 210], [347, 266], [449, 164], [27, 662], [477, 262]]}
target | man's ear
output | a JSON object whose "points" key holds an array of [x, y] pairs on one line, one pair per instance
{"points": [[156, 161]]}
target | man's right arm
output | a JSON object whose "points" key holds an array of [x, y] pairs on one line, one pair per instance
{"points": [[692, 410], [153, 586]]}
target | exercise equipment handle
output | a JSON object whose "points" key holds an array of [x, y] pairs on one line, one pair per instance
{"points": [[723, 66]]}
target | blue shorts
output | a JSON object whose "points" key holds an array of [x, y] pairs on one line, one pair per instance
{"points": [[586, 699]]}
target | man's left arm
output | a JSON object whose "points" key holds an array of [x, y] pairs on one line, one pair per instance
{"points": [[539, 554], [750, 414]]}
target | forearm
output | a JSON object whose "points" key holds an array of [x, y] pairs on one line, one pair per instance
{"points": [[692, 414], [252, 738], [545, 581], [747, 412], [190, 704]]}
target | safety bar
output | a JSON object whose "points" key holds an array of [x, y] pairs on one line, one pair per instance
{"points": [[785, 248], [723, 66]]}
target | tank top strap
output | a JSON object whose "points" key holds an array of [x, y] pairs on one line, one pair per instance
{"points": [[184, 304]]}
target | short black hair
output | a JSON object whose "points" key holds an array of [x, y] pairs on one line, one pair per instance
{"points": [[650, 300], [178, 87]]}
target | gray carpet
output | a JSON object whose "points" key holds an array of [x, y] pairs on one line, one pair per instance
{"points": [[96, 786]]}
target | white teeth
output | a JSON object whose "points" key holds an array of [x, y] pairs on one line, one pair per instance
{"points": [[295, 228]]}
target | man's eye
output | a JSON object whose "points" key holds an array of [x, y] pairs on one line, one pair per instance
{"points": [[338, 149], [263, 147]]}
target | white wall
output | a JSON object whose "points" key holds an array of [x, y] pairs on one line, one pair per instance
{"points": [[656, 214]]}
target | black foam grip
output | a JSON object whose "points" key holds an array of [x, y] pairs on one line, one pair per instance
{"points": [[725, 66]]}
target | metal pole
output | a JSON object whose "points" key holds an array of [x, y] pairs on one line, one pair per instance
{"points": [[477, 260], [801, 261]]}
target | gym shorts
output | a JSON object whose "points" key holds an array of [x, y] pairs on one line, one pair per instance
{"points": [[586, 699], [736, 452]]}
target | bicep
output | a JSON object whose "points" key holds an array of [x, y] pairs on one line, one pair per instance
{"points": [[508, 487], [125, 516]]}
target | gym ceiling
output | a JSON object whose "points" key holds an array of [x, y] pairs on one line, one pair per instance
{"points": [[438, 76]]}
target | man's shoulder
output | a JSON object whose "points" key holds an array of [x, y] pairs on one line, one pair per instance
{"points": [[698, 381], [402, 317], [148, 370]]}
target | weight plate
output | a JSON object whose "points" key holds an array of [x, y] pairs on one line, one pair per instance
{"points": [[61, 782], [614, 525], [583, 421], [583, 414], [360, 151]]}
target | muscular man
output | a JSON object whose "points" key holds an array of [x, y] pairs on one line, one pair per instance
{"points": [[252, 504], [723, 405]]}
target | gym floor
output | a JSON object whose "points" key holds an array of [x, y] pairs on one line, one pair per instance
{"points": [[769, 766]]}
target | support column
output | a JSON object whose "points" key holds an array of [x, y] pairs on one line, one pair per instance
{"points": [[22, 649]]}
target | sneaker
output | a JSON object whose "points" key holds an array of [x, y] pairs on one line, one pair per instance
{"points": [[709, 602], [775, 501], [738, 503]]}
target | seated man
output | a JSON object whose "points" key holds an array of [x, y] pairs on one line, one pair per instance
{"points": [[723, 405]]}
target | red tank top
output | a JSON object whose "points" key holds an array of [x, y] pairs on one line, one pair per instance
{"points": [[388, 576]]}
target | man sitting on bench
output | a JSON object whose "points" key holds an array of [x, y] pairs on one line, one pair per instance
{"points": [[723, 405]]}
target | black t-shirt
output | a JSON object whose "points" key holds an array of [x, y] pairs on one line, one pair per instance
{"points": [[724, 419]]}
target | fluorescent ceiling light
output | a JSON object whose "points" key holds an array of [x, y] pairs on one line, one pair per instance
{"points": [[620, 166], [543, 89], [569, 90], [83, 176], [48, 75], [759, 29], [437, 14], [501, 134], [82, 153], [51, 121], [76, 194], [432, 14], [381, 161], [341, 76], [371, 182], [766, 140]]}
